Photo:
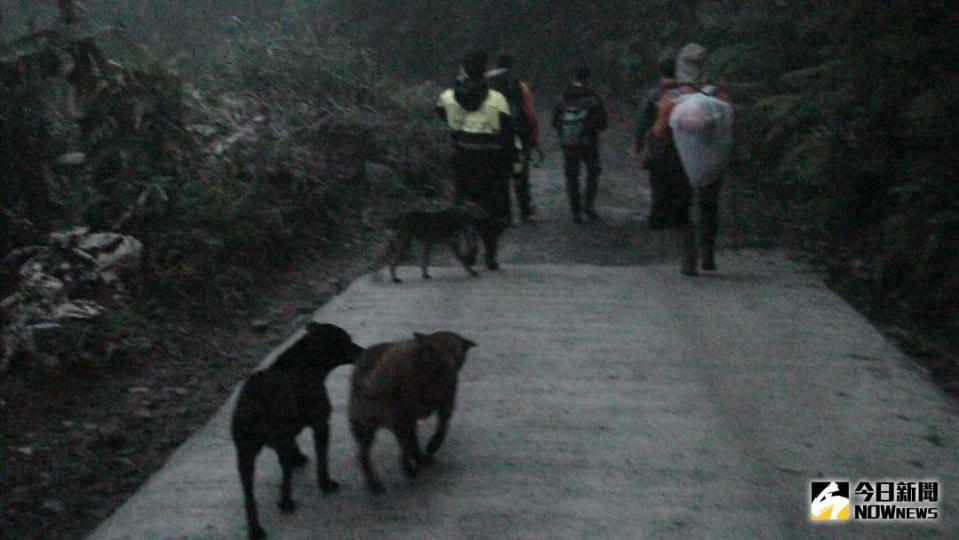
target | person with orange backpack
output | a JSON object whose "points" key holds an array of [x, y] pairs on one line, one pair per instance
{"points": [[525, 127], [694, 120], [668, 190]]}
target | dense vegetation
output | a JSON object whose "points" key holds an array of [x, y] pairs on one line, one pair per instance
{"points": [[847, 113], [222, 168]]}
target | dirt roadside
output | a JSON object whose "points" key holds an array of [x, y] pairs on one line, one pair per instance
{"points": [[75, 447]]}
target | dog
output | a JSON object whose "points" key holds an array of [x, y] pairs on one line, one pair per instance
{"points": [[430, 228], [277, 403], [394, 385]]}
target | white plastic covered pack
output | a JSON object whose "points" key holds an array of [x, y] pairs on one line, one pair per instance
{"points": [[703, 134]]}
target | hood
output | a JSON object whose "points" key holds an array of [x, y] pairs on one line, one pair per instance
{"points": [[470, 92], [691, 64]]}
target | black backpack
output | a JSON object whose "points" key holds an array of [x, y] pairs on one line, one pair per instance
{"points": [[572, 126]]}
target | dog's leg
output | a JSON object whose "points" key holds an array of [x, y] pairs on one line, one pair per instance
{"points": [[321, 441], [464, 259], [288, 453], [425, 262], [394, 258], [400, 251], [443, 423], [472, 244], [410, 454], [246, 464], [364, 440]]}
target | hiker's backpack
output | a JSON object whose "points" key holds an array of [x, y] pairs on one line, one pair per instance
{"points": [[572, 126], [508, 85], [702, 127]]}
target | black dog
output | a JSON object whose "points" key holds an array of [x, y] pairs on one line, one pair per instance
{"points": [[278, 402]]}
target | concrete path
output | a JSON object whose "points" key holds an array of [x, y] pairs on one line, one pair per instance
{"points": [[603, 402]]}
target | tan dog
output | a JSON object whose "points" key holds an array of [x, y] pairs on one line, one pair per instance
{"points": [[394, 385], [430, 228]]}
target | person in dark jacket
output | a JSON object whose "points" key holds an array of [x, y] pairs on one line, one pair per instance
{"points": [[579, 117], [525, 127], [483, 148], [668, 185]]}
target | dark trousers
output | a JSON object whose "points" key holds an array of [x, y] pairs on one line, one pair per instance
{"points": [[709, 214], [573, 157], [483, 180]]}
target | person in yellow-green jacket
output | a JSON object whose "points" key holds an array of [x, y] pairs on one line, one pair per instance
{"points": [[483, 148]]}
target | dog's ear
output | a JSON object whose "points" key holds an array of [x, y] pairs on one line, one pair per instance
{"points": [[468, 344], [327, 331]]}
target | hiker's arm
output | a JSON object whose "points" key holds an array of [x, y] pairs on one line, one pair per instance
{"points": [[529, 107], [663, 109], [599, 116], [647, 117]]}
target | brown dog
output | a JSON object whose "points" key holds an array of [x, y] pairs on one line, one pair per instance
{"points": [[430, 228], [394, 385]]}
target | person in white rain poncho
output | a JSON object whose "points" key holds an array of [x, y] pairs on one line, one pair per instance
{"points": [[696, 117]]}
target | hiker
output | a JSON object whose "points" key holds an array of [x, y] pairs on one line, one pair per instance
{"points": [[578, 118], [525, 128], [693, 89], [484, 148], [668, 184]]}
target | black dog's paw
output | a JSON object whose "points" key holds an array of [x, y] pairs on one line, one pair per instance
{"points": [[287, 507], [257, 533], [376, 488], [427, 276], [329, 486], [397, 280]]}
